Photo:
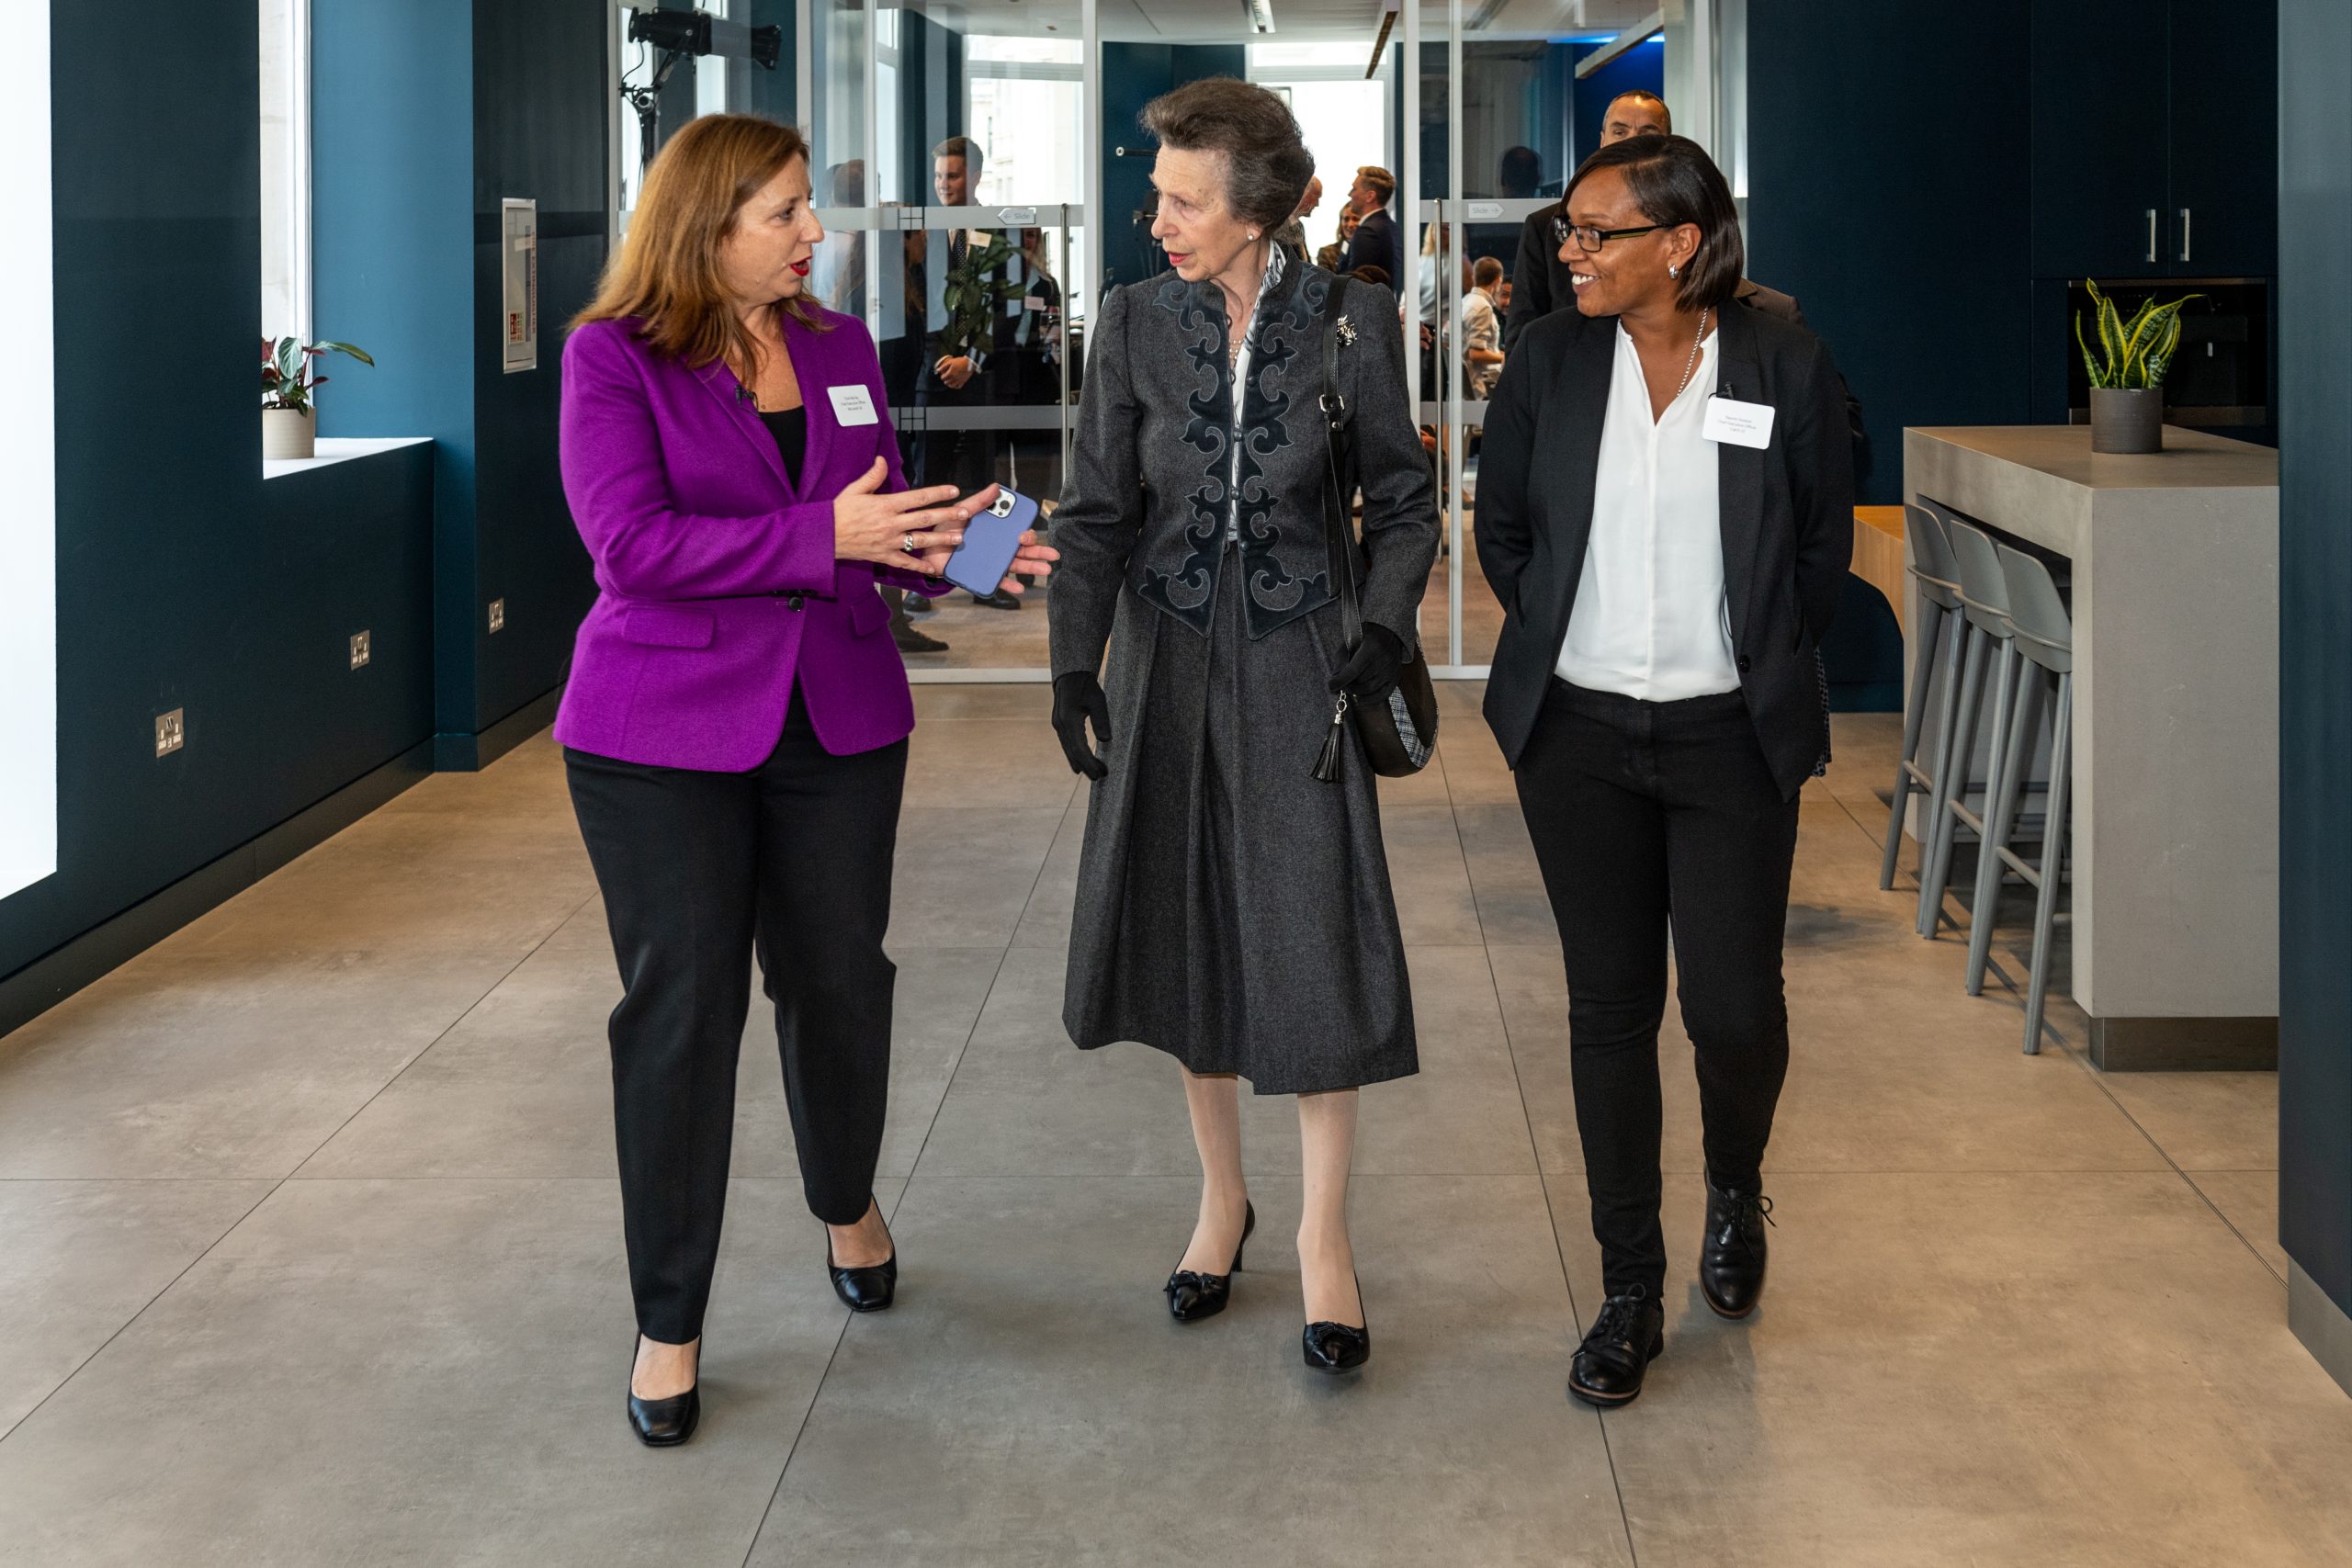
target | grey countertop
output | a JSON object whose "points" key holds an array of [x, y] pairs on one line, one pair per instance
{"points": [[2191, 458]]}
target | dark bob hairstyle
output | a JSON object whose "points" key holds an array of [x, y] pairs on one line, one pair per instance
{"points": [[1267, 164], [1674, 182]]}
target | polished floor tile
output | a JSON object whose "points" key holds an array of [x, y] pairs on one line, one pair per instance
{"points": [[326, 1262], [84, 1257], [1035, 1404]]}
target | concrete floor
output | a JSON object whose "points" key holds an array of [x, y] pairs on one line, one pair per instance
{"points": [[310, 1248]]}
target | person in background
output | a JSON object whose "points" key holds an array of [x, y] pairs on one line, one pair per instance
{"points": [[734, 731], [1657, 695], [1482, 330], [1375, 241], [1232, 909], [1292, 236], [1330, 255], [960, 371], [1518, 173]]}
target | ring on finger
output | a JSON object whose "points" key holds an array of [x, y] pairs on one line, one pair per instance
{"points": [[907, 542]]}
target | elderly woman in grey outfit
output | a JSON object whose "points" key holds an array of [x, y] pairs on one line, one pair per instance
{"points": [[1232, 910]]}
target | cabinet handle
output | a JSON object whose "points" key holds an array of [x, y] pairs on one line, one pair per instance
{"points": [[2152, 233], [2184, 233]]}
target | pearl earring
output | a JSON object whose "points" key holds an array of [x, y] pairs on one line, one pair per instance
{"points": [[1672, 270], [1253, 233]]}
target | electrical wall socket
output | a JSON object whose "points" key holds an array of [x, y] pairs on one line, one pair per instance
{"points": [[497, 614], [171, 732], [358, 650]]}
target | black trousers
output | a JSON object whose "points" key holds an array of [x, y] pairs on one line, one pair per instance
{"points": [[698, 871], [1651, 818]]}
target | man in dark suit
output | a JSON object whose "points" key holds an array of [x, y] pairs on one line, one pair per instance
{"points": [[1539, 280], [1375, 242]]}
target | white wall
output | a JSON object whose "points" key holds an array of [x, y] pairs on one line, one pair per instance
{"points": [[29, 457]]}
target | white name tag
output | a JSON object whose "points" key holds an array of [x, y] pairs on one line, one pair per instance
{"points": [[854, 405], [1742, 425], [1033, 302]]}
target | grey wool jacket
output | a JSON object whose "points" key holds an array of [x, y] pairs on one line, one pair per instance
{"points": [[1145, 502]]}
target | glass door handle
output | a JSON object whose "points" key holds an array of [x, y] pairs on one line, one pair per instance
{"points": [[2184, 233]]}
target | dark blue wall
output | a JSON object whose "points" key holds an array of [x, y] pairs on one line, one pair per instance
{"points": [[1134, 74], [1906, 240], [2315, 643], [441, 108], [183, 580], [1640, 69]]}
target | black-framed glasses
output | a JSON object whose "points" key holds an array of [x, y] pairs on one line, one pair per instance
{"points": [[1589, 239]]}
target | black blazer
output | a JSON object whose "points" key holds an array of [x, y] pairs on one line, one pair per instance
{"points": [[1788, 519], [1374, 243]]}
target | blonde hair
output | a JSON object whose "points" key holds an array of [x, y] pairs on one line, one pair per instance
{"points": [[666, 272]]}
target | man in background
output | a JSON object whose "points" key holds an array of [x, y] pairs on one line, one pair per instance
{"points": [[1482, 330], [960, 369], [1375, 242], [1292, 236]]}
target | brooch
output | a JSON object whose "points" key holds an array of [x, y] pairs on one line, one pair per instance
{"points": [[1346, 332]]}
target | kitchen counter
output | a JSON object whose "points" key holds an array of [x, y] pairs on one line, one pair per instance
{"points": [[2175, 564]]}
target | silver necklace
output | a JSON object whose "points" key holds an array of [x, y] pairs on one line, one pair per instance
{"points": [[1693, 363]]}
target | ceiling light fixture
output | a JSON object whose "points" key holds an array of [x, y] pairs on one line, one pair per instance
{"points": [[1261, 16]]}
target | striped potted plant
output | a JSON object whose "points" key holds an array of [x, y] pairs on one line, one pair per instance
{"points": [[289, 376], [2128, 372]]}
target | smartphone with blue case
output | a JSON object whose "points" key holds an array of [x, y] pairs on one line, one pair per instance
{"points": [[991, 540]]}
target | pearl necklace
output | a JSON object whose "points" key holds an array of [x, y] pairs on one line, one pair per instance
{"points": [[1693, 363]]}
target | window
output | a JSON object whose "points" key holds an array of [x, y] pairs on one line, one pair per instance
{"points": [[286, 168], [1342, 117], [1026, 104], [28, 451]]}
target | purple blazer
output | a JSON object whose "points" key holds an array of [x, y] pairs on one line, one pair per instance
{"points": [[718, 586]]}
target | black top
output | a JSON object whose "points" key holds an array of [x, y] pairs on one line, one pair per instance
{"points": [[790, 428]]}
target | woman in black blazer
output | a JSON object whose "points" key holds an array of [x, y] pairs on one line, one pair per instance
{"points": [[1666, 513]]}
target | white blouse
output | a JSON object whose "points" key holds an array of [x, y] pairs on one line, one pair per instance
{"points": [[1650, 618], [1276, 264]]}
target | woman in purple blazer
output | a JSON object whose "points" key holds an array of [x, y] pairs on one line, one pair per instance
{"points": [[735, 727]]}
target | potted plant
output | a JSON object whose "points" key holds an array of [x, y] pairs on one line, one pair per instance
{"points": [[974, 298], [288, 378], [2127, 373]]}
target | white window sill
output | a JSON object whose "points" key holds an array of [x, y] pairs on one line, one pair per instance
{"points": [[336, 449]]}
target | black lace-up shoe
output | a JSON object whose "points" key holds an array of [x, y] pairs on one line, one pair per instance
{"points": [[1627, 1335], [1731, 1260]]}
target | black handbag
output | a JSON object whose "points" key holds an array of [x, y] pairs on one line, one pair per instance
{"points": [[1400, 735]]}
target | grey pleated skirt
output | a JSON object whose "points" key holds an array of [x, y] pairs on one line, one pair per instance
{"points": [[1232, 911]]}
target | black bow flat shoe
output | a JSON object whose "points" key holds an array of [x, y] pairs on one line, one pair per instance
{"points": [[1192, 1297], [1731, 1260], [664, 1422], [1337, 1346], [1627, 1335]]}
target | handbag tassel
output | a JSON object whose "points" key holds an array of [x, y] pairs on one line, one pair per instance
{"points": [[1327, 765]]}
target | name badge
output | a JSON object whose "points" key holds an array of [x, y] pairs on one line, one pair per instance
{"points": [[854, 405], [1742, 425], [1033, 302]]}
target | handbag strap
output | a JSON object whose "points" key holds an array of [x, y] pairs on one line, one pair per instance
{"points": [[1339, 523]]}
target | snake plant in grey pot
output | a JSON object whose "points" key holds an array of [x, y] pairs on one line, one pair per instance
{"points": [[2127, 372]]}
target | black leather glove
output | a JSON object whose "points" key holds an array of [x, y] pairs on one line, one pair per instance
{"points": [[1077, 697], [1370, 673]]}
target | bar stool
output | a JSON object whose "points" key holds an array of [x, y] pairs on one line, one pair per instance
{"points": [[2044, 640], [1985, 602], [1931, 567]]}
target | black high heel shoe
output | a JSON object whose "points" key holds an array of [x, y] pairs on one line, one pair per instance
{"points": [[664, 1422], [1192, 1297], [869, 1288], [1338, 1346]]}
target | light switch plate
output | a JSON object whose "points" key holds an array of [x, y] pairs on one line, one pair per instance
{"points": [[497, 614], [171, 731], [358, 650]]}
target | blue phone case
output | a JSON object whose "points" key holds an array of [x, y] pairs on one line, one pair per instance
{"points": [[990, 540]]}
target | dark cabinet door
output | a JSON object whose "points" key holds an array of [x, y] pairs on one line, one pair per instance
{"points": [[2099, 140], [2221, 217]]}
